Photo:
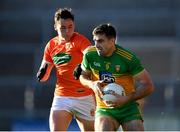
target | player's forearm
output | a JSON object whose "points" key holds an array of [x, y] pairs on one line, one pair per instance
{"points": [[45, 77], [44, 71], [143, 91], [145, 87]]}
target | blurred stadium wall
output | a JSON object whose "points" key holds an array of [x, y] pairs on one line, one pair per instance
{"points": [[150, 28]]}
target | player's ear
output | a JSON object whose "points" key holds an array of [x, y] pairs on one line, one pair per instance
{"points": [[55, 28], [113, 40]]}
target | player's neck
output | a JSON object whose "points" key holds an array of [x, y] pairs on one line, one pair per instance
{"points": [[63, 40], [111, 51]]}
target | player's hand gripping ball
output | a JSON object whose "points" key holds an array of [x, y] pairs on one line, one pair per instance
{"points": [[111, 88]]}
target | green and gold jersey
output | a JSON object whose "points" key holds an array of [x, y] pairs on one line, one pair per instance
{"points": [[120, 68]]}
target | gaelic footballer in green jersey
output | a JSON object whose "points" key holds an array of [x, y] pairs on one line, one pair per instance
{"points": [[121, 70]]}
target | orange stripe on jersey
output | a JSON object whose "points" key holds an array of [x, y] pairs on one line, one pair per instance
{"points": [[124, 54]]}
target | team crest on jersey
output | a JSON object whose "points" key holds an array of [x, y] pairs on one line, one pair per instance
{"points": [[117, 67], [68, 46], [107, 65]]}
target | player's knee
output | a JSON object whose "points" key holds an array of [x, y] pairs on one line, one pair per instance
{"points": [[104, 124]]}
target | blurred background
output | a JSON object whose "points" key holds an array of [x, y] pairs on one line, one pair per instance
{"points": [[150, 28]]}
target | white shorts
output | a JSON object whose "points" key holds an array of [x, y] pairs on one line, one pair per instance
{"points": [[82, 107]]}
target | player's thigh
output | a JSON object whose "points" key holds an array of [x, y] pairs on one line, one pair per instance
{"points": [[105, 123], [84, 112], [134, 125], [85, 125], [59, 120]]}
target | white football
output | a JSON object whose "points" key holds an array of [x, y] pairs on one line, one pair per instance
{"points": [[112, 88]]}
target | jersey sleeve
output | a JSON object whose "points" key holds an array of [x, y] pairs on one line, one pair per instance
{"points": [[47, 56], [135, 66], [85, 63], [85, 43]]}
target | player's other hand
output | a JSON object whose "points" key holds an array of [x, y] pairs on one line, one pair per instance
{"points": [[121, 100], [41, 72], [97, 87], [77, 71]]}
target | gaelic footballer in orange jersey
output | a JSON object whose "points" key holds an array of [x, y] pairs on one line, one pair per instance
{"points": [[63, 53], [64, 57]]}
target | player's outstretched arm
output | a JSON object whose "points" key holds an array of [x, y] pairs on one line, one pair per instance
{"points": [[44, 71]]}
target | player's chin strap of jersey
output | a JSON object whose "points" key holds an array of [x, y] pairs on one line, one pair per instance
{"points": [[41, 72], [77, 71]]}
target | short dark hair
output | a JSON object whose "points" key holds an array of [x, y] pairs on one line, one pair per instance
{"points": [[63, 13], [106, 29]]}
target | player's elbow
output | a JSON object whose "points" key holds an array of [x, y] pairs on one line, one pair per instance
{"points": [[44, 79]]}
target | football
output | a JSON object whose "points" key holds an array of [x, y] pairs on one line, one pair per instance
{"points": [[112, 88]]}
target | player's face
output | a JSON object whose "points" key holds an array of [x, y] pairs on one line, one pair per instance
{"points": [[104, 46], [65, 28]]}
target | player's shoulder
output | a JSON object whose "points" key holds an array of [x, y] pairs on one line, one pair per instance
{"points": [[53, 41], [124, 52], [79, 36], [90, 49]]}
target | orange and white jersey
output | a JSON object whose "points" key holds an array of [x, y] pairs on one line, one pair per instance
{"points": [[65, 56]]}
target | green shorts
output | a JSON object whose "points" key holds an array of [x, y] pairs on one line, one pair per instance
{"points": [[122, 114]]}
